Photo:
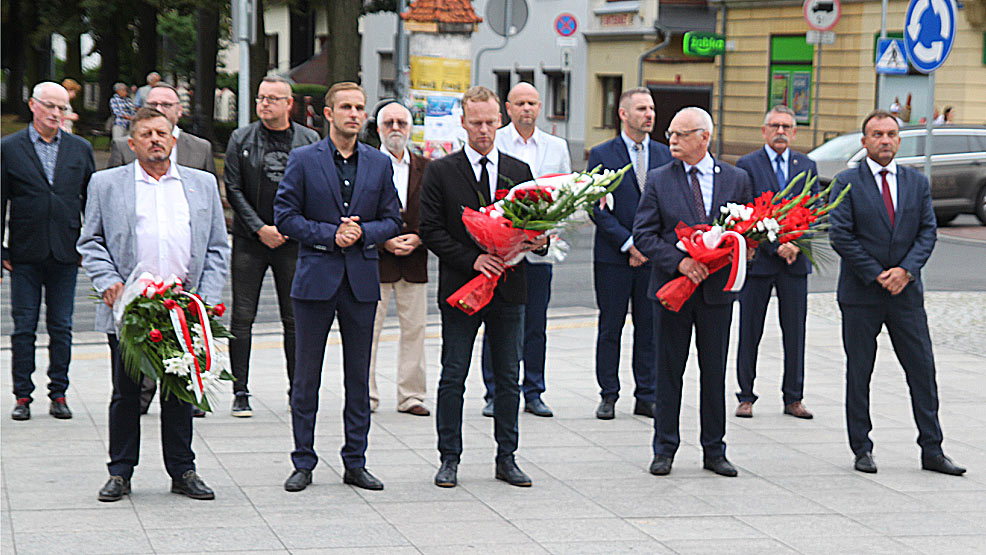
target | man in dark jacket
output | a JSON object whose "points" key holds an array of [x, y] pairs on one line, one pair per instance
{"points": [[45, 173], [255, 160]]}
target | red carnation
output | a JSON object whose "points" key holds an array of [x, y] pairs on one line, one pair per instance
{"points": [[155, 335], [219, 309], [170, 304], [501, 193]]}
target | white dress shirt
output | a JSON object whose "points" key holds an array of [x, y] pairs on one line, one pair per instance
{"points": [[891, 168], [164, 234], [402, 172], [706, 167], [491, 166], [785, 159], [175, 132], [515, 145]]}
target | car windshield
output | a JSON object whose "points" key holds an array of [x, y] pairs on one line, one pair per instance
{"points": [[839, 148]]}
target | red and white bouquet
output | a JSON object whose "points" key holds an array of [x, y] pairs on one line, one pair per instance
{"points": [[169, 335], [770, 217], [525, 212]]}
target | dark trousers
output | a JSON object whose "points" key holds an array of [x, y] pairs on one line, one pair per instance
{"points": [[504, 324], [711, 323], [792, 307], [314, 319], [176, 425], [535, 338], [616, 287], [26, 282], [251, 258], [908, 329]]}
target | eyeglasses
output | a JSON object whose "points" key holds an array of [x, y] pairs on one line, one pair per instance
{"points": [[398, 123], [51, 105], [161, 105], [270, 99], [781, 126], [680, 134]]}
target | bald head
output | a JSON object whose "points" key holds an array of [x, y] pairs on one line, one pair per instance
{"points": [[523, 107], [394, 128]]}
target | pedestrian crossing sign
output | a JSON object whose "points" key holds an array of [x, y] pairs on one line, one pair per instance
{"points": [[890, 57]]}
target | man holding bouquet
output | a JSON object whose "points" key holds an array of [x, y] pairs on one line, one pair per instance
{"points": [[470, 178], [690, 190], [167, 220]]}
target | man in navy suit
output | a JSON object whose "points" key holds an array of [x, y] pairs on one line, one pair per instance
{"points": [[780, 267], [620, 269], [691, 190], [337, 199], [885, 230], [45, 173]]}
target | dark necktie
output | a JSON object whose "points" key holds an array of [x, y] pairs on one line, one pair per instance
{"points": [[779, 172], [697, 193], [484, 178], [888, 201]]}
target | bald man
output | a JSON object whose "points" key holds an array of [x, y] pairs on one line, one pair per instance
{"points": [[545, 154]]}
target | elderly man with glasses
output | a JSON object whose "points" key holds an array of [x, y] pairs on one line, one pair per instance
{"points": [[45, 172]]}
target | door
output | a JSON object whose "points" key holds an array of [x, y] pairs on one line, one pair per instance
{"points": [[668, 99]]}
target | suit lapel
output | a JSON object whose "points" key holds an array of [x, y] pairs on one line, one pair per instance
{"points": [[328, 168], [767, 169], [872, 193], [717, 191], [904, 193], [64, 153], [465, 168], [130, 207], [794, 167], [362, 171], [184, 153], [32, 155]]}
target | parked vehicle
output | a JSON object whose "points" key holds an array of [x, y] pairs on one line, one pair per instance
{"points": [[958, 165]]}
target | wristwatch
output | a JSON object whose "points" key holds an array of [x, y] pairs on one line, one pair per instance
{"points": [[910, 276]]}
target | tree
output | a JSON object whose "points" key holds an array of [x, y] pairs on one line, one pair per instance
{"points": [[258, 58], [206, 53], [178, 30], [343, 40], [147, 39]]}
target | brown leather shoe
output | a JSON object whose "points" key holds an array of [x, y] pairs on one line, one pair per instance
{"points": [[418, 410], [745, 410], [798, 410]]}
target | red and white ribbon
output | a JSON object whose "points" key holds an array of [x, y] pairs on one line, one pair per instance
{"points": [[715, 237]]}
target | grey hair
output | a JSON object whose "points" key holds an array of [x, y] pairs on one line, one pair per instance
{"points": [[152, 74], [410, 120], [278, 79], [780, 109], [705, 120], [40, 88], [627, 94], [119, 85]]}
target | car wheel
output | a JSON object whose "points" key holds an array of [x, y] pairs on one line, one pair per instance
{"points": [[944, 219], [981, 205]]}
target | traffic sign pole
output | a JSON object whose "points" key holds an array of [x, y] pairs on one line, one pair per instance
{"points": [[929, 122], [818, 80], [881, 79]]}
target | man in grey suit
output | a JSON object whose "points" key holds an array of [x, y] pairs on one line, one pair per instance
{"points": [[189, 151], [167, 220]]}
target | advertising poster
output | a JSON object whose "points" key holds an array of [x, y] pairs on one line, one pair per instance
{"points": [[440, 74], [800, 97], [435, 102], [779, 88]]}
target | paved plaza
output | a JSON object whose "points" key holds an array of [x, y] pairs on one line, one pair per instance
{"points": [[796, 491]]}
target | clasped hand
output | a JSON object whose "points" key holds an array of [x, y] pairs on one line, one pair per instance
{"points": [[402, 245], [349, 231], [893, 280], [693, 270]]}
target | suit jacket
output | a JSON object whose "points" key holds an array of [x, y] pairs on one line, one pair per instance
{"points": [[613, 227], [108, 243], [412, 268], [193, 152], [449, 184], [44, 218], [668, 200], [757, 164], [862, 235], [308, 207]]}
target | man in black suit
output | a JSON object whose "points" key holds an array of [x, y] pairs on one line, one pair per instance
{"points": [[619, 269], [885, 230], [691, 189], [781, 267], [470, 178], [45, 173]]}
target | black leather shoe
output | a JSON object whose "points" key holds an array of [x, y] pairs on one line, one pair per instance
{"points": [[538, 408], [241, 406], [191, 485], [661, 465], [59, 409], [360, 478], [942, 464], [508, 471], [720, 466], [447, 476], [197, 412], [865, 463], [22, 410], [488, 409], [114, 490], [606, 409], [298, 480], [643, 408]]}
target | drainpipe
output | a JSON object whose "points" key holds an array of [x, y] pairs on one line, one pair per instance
{"points": [[722, 84], [640, 61]]}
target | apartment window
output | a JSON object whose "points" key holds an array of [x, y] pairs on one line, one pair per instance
{"points": [[557, 95], [272, 54], [612, 86], [790, 77], [388, 74], [525, 76], [502, 88]]}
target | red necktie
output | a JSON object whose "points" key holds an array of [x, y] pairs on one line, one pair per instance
{"points": [[887, 200]]}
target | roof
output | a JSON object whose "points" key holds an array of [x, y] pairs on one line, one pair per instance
{"points": [[442, 11]]}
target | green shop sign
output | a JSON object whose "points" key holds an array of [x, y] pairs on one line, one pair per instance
{"points": [[703, 44]]}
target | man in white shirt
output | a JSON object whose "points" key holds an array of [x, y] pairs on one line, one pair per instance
{"points": [[545, 154], [154, 216]]}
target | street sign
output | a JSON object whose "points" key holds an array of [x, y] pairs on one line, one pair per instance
{"points": [[566, 24], [822, 15], [696, 43], [890, 57], [819, 37], [498, 11], [929, 32], [566, 59]]}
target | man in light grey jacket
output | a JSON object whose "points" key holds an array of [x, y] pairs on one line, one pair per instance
{"points": [[165, 219]]}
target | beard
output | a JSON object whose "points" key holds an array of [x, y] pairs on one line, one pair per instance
{"points": [[395, 142]]}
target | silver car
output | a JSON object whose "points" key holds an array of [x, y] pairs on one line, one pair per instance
{"points": [[958, 165]]}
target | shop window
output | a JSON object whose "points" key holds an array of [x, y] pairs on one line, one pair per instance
{"points": [[612, 86], [789, 81]]}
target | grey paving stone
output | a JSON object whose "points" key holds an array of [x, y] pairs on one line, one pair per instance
{"points": [[215, 538], [695, 527], [734, 546], [946, 545], [424, 512], [463, 533], [338, 534], [84, 542], [850, 545], [786, 527], [506, 548], [74, 520], [608, 547], [922, 524], [579, 529]]}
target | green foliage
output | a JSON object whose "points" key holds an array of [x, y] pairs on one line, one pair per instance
{"points": [[178, 32], [309, 89], [229, 81]]}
